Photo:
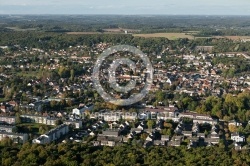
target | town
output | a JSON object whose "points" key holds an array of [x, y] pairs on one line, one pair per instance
{"points": [[49, 99]]}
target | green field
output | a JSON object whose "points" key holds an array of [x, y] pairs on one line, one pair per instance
{"points": [[170, 36], [20, 29]]}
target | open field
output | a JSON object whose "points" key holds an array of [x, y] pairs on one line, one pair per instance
{"points": [[235, 37], [120, 30], [19, 29], [92, 33], [174, 36], [83, 33], [228, 37], [170, 36]]}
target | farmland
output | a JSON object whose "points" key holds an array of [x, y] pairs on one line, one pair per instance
{"points": [[170, 36]]}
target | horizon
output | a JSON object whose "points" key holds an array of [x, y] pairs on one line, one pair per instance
{"points": [[113, 7]]}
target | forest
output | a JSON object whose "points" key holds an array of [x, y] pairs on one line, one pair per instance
{"points": [[74, 154]]}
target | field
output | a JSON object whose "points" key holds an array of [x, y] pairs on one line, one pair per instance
{"points": [[170, 36], [92, 33], [82, 33], [19, 29], [174, 36], [235, 37]]}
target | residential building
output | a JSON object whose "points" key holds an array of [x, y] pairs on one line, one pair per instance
{"points": [[15, 137], [8, 120], [52, 135]]}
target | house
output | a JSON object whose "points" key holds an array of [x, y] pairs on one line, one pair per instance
{"points": [[195, 128], [192, 144], [147, 144], [7, 128], [51, 121], [76, 123], [214, 136], [168, 113], [38, 119], [177, 138], [212, 141], [205, 121], [201, 135], [111, 133], [187, 133], [15, 137], [199, 118], [92, 133], [174, 143], [8, 120], [179, 128], [193, 139], [159, 143], [5, 107], [95, 143], [129, 116], [111, 116], [165, 138], [140, 126], [237, 146], [13, 103], [136, 130], [237, 137], [33, 119], [234, 123], [108, 143], [150, 137], [79, 111]]}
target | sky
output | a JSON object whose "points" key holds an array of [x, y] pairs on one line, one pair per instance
{"points": [[127, 7]]}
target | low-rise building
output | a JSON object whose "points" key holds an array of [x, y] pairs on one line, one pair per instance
{"points": [[52, 135], [38, 119], [76, 123], [7, 128], [15, 137], [238, 137], [8, 120]]}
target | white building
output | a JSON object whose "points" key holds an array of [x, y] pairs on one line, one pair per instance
{"points": [[76, 124], [237, 137], [52, 135], [15, 137]]}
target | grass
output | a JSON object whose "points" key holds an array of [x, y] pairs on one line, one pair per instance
{"points": [[187, 34], [225, 37], [20, 29], [82, 33], [29, 74], [92, 33], [170, 36]]}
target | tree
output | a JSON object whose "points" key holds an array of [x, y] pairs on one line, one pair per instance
{"points": [[72, 74], [18, 118], [150, 123], [59, 122], [232, 128], [53, 103]]}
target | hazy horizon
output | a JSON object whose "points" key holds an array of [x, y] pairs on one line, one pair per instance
{"points": [[129, 7]]}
